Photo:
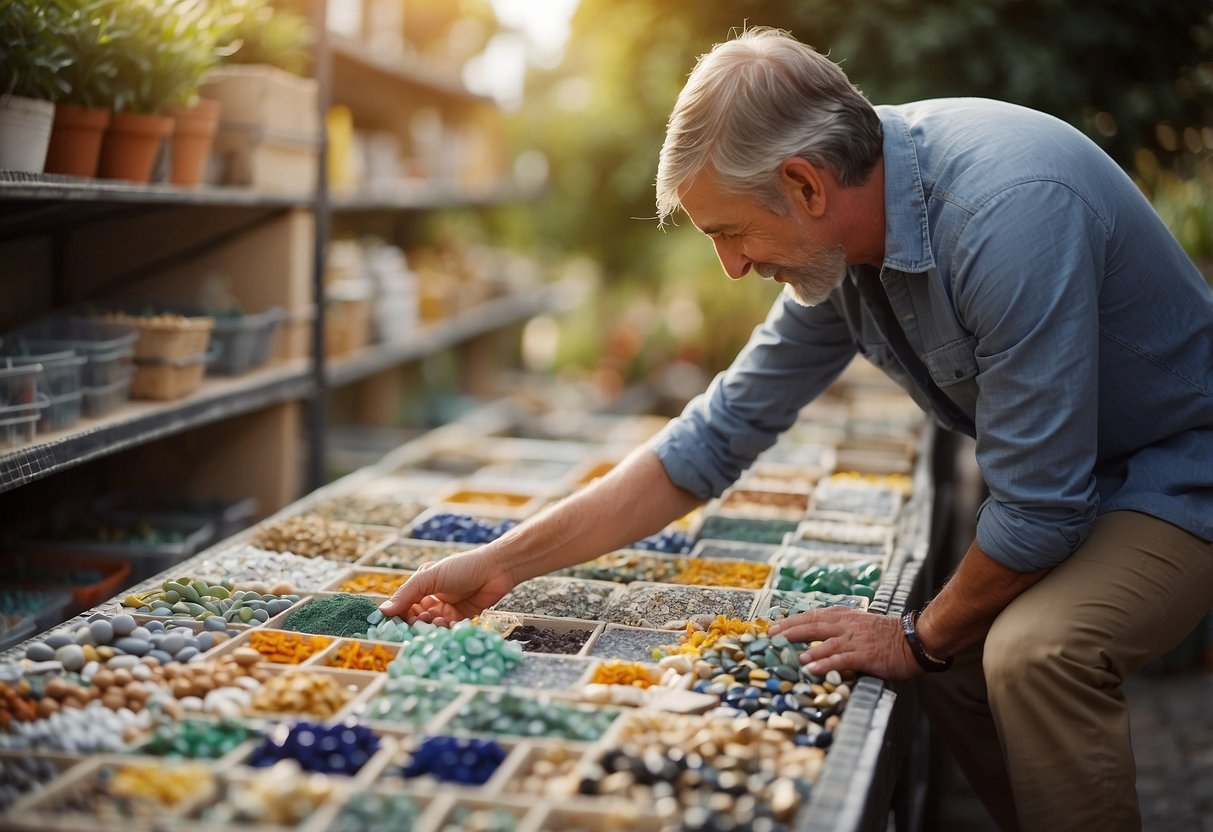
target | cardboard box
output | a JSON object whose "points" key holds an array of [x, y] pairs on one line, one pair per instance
{"points": [[252, 158], [265, 98], [294, 336], [347, 326], [258, 454], [259, 266]]}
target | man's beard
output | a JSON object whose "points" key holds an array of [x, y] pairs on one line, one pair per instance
{"points": [[819, 272]]}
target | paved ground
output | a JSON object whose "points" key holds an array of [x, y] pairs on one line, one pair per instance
{"points": [[1172, 716]]}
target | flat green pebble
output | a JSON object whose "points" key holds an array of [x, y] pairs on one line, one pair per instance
{"points": [[533, 716], [377, 812], [440, 653]]}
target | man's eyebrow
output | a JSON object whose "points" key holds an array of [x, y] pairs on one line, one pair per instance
{"points": [[709, 230]]}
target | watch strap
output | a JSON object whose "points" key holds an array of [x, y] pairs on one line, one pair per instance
{"points": [[929, 663]]}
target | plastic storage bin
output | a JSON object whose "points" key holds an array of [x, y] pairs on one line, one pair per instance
{"points": [[107, 348], [67, 536], [61, 412], [19, 424], [18, 383], [243, 342], [62, 370], [100, 401], [227, 516], [88, 580]]}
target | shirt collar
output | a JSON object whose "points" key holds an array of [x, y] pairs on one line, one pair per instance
{"points": [[907, 238]]}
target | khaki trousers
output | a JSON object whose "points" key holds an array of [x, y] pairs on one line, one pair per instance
{"points": [[1034, 714]]}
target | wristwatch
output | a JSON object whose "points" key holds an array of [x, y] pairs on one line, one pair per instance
{"points": [[929, 663]]}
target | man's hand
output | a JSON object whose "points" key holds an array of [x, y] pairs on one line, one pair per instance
{"points": [[851, 640], [457, 587]]}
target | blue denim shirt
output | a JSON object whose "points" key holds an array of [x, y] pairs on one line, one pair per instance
{"points": [[1049, 304]]}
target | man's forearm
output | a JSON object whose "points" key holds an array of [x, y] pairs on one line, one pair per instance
{"points": [[634, 500], [967, 605]]}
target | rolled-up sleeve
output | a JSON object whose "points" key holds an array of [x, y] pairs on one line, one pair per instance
{"points": [[1028, 286], [789, 360]]}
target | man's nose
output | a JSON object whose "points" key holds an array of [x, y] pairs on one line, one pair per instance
{"points": [[736, 264]]}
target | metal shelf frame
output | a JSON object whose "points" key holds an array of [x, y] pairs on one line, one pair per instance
{"points": [[490, 316], [142, 422], [33, 205], [427, 198], [413, 71]]}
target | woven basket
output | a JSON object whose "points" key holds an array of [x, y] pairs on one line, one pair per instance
{"points": [[176, 340], [165, 380]]}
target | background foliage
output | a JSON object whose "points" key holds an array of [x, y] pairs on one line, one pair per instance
{"points": [[1134, 74]]}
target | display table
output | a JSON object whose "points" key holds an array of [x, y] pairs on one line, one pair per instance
{"points": [[541, 740]]}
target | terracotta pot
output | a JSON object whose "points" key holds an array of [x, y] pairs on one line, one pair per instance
{"points": [[76, 140], [131, 144], [193, 134], [25, 130]]}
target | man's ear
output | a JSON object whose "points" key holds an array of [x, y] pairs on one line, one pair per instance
{"points": [[804, 185]]}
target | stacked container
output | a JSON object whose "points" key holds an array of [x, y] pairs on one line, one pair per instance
{"points": [[20, 407], [105, 351], [170, 354]]}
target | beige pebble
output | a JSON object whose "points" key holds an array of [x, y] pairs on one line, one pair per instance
{"points": [[246, 656]]}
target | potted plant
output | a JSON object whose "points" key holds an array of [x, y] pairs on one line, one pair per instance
{"points": [[270, 112], [31, 55], [90, 33], [164, 50], [265, 51], [257, 33]]}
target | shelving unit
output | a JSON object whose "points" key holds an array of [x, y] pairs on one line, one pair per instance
{"points": [[487, 317], [401, 69], [431, 198], [140, 422], [434, 119], [70, 243]]}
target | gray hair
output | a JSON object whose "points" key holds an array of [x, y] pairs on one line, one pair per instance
{"points": [[753, 102]]}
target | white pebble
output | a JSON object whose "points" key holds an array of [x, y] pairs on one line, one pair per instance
{"points": [[252, 566], [680, 663]]}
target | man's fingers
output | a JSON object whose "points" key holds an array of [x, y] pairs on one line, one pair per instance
{"points": [[829, 647], [842, 662], [824, 617], [419, 585], [810, 629]]}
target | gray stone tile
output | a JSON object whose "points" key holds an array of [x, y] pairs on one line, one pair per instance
{"points": [[1172, 725]]}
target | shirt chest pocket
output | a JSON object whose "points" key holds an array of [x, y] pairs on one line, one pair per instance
{"points": [[953, 363]]}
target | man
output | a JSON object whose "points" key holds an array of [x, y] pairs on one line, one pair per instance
{"points": [[1001, 268]]}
